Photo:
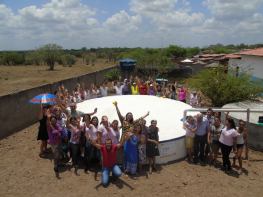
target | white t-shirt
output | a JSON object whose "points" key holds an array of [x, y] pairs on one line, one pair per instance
{"points": [[86, 95], [118, 90], [117, 133], [92, 131], [240, 139], [107, 134], [226, 136], [76, 99], [95, 93], [193, 99], [104, 91]]}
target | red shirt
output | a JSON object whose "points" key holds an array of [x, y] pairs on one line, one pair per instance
{"points": [[143, 91], [109, 156]]}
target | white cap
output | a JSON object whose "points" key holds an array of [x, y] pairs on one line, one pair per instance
{"points": [[126, 79], [134, 83], [151, 85], [76, 92]]}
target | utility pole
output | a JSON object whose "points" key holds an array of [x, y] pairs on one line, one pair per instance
{"points": [[180, 51], [162, 43]]}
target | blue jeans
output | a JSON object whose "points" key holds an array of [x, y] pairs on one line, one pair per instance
{"points": [[90, 150], [74, 149], [199, 141], [173, 96], [116, 173]]}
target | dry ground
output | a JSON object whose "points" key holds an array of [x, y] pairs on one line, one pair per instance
{"points": [[23, 173], [24, 77]]}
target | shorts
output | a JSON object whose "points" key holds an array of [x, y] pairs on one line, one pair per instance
{"points": [[189, 142], [214, 148], [240, 146]]}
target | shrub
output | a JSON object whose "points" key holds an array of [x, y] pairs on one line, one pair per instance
{"points": [[112, 75], [87, 60], [6, 78]]}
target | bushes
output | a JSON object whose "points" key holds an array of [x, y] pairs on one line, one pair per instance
{"points": [[112, 75]]}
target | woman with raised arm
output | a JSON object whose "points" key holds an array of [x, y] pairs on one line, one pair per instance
{"points": [[132, 138], [42, 132], [128, 121], [152, 145], [242, 135], [182, 92], [75, 130], [55, 138]]}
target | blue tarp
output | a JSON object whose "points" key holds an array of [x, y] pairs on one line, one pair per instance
{"points": [[127, 60]]}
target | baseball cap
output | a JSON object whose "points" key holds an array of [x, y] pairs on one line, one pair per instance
{"points": [[194, 92]]}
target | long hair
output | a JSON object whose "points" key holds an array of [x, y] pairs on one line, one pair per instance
{"points": [[95, 117], [127, 115], [84, 117], [231, 121], [138, 125]]}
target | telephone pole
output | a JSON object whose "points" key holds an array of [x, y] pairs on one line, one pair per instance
{"points": [[180, 51]]}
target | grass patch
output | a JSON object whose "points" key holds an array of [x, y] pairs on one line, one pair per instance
{"points": [[6, 78]]}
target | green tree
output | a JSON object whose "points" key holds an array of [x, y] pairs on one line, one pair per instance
{"points": [[50, 53], [193, 51], [35, 56], [87, 59], [226, 88], [6, 58], [176, 51], [112, 75], [14, 58], [69, 59]]}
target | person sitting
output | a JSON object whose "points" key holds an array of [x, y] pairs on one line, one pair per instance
{"points": [[109, 159]]}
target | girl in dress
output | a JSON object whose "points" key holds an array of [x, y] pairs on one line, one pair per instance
{"points": [[132, 138]]}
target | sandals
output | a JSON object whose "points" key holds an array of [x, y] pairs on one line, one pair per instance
{"points": [[239, 172], [60, 165], [150, 171], [42, 156], [48, 152], [228, 172]]}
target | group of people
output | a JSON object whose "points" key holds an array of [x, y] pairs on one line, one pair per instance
{"points": [[206, 134], [133, 87], [71, 134]]}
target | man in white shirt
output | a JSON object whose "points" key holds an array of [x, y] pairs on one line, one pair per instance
{"points": [[119, 88], [194, 98]]}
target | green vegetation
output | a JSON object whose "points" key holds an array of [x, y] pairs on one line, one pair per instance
{"points": [[226, 88], [6, 78], [112, 75]]}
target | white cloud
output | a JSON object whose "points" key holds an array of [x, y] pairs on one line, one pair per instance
{"points": [[227, 10], [186, 3], [104, 12], [122, 23]]}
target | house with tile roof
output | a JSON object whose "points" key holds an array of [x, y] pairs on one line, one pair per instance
{"points": [[252, 58]]}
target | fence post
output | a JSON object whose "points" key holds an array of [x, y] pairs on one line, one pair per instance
{"points": [[247, 125]]}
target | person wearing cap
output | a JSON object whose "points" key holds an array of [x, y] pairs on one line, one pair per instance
{"points": [[76, 98], [134, 87], [151, 90], [194, 98], [126, 87]]}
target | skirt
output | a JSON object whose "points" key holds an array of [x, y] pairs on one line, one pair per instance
{"points": [[151, 150], [141, 153]]}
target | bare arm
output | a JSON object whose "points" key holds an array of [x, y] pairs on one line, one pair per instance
{"points": [[245, 133], [121, 143], [79, 126], [95, 111], [99, 137], [119, 113], [175, 85], [153, 141], [135, 121], [59, 104], [208, 136], [98, 146], [48, 121], [40, 114], [67, 123], [235, 145], [227, 115]]}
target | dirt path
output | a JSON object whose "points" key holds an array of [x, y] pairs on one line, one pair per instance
{"points": [[23, 173]]}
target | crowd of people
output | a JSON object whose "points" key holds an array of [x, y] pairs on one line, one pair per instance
{"points": [[206, 135], [73, 134]]}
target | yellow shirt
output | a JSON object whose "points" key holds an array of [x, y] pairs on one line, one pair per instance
{"points": [[134, 90]]}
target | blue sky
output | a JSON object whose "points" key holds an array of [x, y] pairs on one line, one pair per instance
{"points": [[128, 23]]}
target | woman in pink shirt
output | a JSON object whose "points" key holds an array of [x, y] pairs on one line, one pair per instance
{"points": [[182, 92], [228, 139], [106, 132]]}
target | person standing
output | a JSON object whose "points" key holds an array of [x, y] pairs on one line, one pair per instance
{"points": [[142, 146], [194, 98], [152, 142], [55, 140], [109, 159], [182, 92], [200, 137], [126, 87], [210, 118], [132, 138], [42, 132], [228, 140]]}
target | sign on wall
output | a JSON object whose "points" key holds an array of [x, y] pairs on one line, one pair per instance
{"points": [[168, 149]]}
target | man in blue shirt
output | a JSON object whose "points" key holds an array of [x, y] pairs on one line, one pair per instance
{"points": [[200, 137]]}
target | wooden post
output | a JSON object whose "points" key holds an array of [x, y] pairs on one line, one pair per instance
{"points": [[247, 125]]}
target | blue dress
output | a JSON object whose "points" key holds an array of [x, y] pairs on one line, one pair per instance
{"points": [[131, 155]]}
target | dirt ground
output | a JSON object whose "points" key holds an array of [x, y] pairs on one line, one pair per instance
{"points": [[24, 173], [24, 77]]}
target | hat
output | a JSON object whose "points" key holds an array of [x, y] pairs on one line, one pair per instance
{"points": [[126, 79], [151, 85], [76, 92], [134, 83], [194, 92]]}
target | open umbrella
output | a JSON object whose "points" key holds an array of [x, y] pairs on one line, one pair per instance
{"points": [[46, 98]]}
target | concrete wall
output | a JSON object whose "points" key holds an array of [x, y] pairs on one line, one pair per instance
{"points": [[197, 68], [16, 111]]}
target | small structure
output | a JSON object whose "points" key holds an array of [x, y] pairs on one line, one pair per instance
{"points": [[127, 68]]}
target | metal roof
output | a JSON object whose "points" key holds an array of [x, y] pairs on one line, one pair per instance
{"points": [[127, 60]]}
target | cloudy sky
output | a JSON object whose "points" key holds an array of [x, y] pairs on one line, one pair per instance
{"points": [[129, 23]]}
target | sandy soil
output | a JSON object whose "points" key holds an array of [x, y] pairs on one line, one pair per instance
{"points": [[24, 77], [24, 173]]}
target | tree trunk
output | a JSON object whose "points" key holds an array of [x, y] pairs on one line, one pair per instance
{"points": [[51, 66]]}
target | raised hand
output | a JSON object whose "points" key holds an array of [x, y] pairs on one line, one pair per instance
{"points": [[62, 86], [82, 83], [48, 114], [78, 84], [59, 88], [95, 110], [112, 82], [68, 117], [79, 119], [148, 113], [119, 77], [227, 112]]}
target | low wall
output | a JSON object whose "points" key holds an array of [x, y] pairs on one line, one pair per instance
{"points": [[16, 111]]}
